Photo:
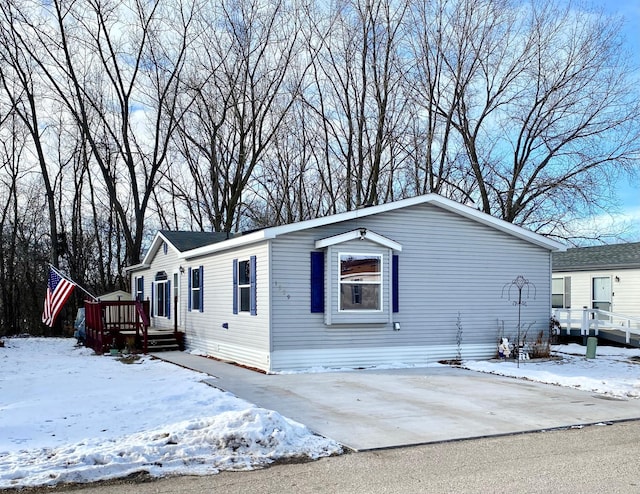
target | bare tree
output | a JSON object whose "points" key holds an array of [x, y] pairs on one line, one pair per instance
{"points": [[115, 65], [242, 83], [22, 87], [359, 93], [533, 102]]}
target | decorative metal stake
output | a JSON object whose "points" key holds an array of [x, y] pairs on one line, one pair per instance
{"points": [[519, 283]]}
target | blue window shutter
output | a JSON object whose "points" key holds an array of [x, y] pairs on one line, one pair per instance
{"points": [[189, 290], [317, 281], [153, 300], [201, 293], [395, 286], [253, 308], [167, 299], [235, 286]]}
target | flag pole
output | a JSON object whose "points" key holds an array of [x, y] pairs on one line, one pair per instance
{"points": [[62, 275]]}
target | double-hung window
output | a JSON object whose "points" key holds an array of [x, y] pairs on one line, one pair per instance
{"points": [[360, 282], [244, 286], [561, 292], [195, 289]]}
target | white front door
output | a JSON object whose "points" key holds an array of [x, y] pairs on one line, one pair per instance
{"points": [[601, 293]]}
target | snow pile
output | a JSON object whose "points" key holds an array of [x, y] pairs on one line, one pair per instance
{"points": [[67, 415], [614, 372]]}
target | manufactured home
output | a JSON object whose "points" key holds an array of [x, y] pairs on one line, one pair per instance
{"points": [[413, 281], [605, 277]]}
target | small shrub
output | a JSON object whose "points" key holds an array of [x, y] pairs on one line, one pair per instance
{"points": [[541, 348]]}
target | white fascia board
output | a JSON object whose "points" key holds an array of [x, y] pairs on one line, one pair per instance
{"points": [[135, 267], [350, 215], [228, 244], [273, 232], [362, 234], [435, 199], [498, 224], [155, 246]]}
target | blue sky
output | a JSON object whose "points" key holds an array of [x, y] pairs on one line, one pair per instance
{"points": [[628, 193]]}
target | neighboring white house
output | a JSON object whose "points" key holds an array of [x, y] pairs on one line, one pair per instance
{"points": [[605, 277], [413, 281], [117, 295]]}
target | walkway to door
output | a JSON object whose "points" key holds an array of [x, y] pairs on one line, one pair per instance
{"points": [[372, 409]]}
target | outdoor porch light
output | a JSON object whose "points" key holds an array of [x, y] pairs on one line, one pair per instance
{"points": [[617, 279], [181, 270], [363, 233]]}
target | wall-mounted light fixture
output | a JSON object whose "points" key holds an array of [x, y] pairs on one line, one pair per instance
{"points": [[617, 278], [181, 270], [363, 233]]}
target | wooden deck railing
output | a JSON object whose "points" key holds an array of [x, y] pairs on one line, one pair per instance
{"points": [[109, 323]]}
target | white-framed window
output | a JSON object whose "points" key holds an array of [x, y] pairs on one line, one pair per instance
{"points": [[359, 282], [244, 285], [561, 292], [196, 289]]}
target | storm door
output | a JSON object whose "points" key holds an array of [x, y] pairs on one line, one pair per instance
{"points": [[601, 294]]}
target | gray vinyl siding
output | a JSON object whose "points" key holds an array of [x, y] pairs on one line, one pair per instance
{"points": [[246, 337], [449, 265]]}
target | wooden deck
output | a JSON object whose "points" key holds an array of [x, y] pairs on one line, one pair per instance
{"points": [[124, 325]]}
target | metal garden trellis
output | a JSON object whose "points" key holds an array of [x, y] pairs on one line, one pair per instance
{"points": [[520, 283]]}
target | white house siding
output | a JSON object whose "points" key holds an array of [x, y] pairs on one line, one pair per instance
{"points": [[161, 262], [625, 297], [449, 265], [247, 338]]}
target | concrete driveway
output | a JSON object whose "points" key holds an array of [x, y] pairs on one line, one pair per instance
{"points": [[372, 409]]}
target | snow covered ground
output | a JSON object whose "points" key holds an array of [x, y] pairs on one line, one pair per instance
{"points": [[67, 415], [614, 372]]}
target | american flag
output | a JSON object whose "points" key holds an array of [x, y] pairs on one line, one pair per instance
{"points": [[58, 291]]}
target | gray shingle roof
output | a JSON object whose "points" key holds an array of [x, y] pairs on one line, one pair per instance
{"points": [[614, 256], [183, 240]]}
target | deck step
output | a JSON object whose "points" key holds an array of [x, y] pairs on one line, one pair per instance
{"points": [[162, 342]]}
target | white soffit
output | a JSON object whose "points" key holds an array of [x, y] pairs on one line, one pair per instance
{"points": [[361, 234]]}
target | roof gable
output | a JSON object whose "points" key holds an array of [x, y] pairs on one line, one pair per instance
{"points": [[613, 256], [361, 234]]}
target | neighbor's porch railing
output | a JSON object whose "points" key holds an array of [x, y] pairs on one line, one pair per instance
{"points": [[107, 323], [594, 320]]}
